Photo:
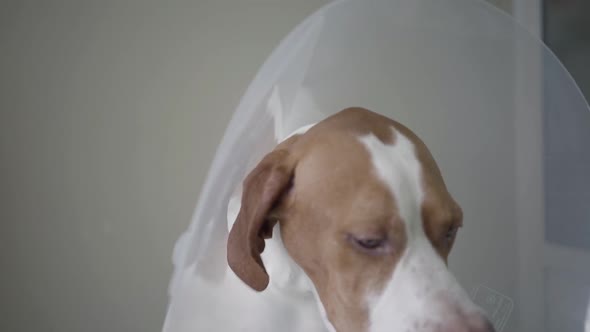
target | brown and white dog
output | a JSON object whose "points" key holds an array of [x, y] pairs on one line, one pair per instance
{"points": [[365, 215]]}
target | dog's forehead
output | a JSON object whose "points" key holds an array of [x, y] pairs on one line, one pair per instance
{"points": [[398, 168], [372, 154], [337, 172], [359, 152]]}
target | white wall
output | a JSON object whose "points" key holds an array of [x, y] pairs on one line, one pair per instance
{"points": [[110, 116]]}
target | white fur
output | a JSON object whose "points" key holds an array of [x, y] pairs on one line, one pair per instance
{"points": [[421, 289]]}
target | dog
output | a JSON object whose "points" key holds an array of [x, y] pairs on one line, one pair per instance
{"points": [[354, 211]]}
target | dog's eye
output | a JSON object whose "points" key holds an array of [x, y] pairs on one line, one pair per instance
{"points": [[369, 244]]}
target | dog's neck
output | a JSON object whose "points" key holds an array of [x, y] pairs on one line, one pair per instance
{"points": [[285, 275], [287, 279]]}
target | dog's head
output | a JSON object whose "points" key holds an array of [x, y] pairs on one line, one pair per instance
{"points": [[364, 211]]}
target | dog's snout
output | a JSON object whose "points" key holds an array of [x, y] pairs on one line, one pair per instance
{"points": [[474, 323], [482, 324]]}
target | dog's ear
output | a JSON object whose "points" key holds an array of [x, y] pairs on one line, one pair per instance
{"points": [[262, 189]]}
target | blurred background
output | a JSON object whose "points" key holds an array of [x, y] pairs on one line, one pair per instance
{"points": [[110, 114], [566, 31]]}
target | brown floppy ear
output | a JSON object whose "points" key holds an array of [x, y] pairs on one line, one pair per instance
{"points": [[261, 190]]}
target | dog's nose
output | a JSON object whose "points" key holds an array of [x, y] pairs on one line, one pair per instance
{"points": [[474, 323]]}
